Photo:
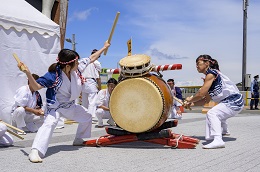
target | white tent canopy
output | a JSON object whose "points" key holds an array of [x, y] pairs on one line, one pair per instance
{"points": [[33, 37]]}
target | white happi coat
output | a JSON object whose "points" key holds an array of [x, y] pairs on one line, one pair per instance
{"points": [[91, 73], [21, 118], [102, 99], [24, 97], [90, 88]]}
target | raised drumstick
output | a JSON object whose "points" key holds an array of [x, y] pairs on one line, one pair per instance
{"points": [[112, 31], [18, 61]]}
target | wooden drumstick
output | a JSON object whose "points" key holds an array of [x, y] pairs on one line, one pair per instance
{"points": [[18, 61], [12, 127], [180, 101], [112, 31], [15, 134]]}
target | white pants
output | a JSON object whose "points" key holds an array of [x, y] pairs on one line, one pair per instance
{"points": [[5, 138], [216, 120], [89, 96], [102, 114], [174, 114], [21, 119], [89, 102], [60, 123], [74, 112]]}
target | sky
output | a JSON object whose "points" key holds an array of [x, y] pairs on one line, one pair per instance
{"points": [[170, 32]]}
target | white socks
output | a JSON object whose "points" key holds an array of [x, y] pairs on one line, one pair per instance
{"points": [[34, 156], [215, 144]]}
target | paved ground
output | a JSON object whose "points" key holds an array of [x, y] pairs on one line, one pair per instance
{"points": [[242, 152]]}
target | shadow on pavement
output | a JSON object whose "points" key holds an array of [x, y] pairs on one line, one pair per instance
{"points": [[139, 145], [59, 148]]}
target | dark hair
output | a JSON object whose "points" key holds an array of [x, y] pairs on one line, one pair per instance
{"points": [[112, 81], [213, 63], [93, 51], [35, 76], [170, 80], [65, 55]]}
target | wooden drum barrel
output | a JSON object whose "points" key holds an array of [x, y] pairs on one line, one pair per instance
{"points": [[140, 104]]}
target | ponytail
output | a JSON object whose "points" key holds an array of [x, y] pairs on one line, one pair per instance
{"points": [[214, 64], [52, 67]]}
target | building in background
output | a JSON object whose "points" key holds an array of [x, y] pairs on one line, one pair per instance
{"points": [[56, 10]]}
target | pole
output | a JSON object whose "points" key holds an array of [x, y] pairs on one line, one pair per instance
{"points": [[73, 42], [245, 4]]}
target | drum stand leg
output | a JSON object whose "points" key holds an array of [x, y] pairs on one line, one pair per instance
{"points": [[162, 136]]}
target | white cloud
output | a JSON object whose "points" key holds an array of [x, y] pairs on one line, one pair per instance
{"points": [[81, 15], [159, 55], [189, 28]]}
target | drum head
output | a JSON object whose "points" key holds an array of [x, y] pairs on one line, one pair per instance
{"points": [[136, 105], [134, 60]]}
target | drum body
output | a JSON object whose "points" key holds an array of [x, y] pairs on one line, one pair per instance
{"points": [[135, 65], [140, 104]]}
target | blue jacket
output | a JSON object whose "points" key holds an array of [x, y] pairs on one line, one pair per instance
{"points": [[254, 86], [178, 93]]}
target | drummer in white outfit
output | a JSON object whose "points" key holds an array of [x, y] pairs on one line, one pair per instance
{"points": [[102, 103], [5, 138], [222, 90], [26, 112], [91, 86], [64, 84]]}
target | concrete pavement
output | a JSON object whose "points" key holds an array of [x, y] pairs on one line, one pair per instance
{"points": [[242, 152]]}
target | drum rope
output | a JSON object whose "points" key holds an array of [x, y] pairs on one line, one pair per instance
{"points": [[177, 142], [97, 144], [132, 72]]}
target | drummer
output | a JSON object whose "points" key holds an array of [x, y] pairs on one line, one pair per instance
{"points": [[175, 113], [102, 103], [220, 89]]}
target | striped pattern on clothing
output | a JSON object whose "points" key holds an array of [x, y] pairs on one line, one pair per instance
{"points": [[234, 102], [52, 81], [217, 85], [64, 105]]}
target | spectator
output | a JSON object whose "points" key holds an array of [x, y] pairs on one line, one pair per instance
{"points": [[254, 93], [102, 103]]}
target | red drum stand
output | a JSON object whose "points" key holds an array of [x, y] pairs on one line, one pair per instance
{"points": [[161, 135]]}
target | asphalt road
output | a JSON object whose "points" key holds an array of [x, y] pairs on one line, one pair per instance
{"points": [[242, 152]]}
